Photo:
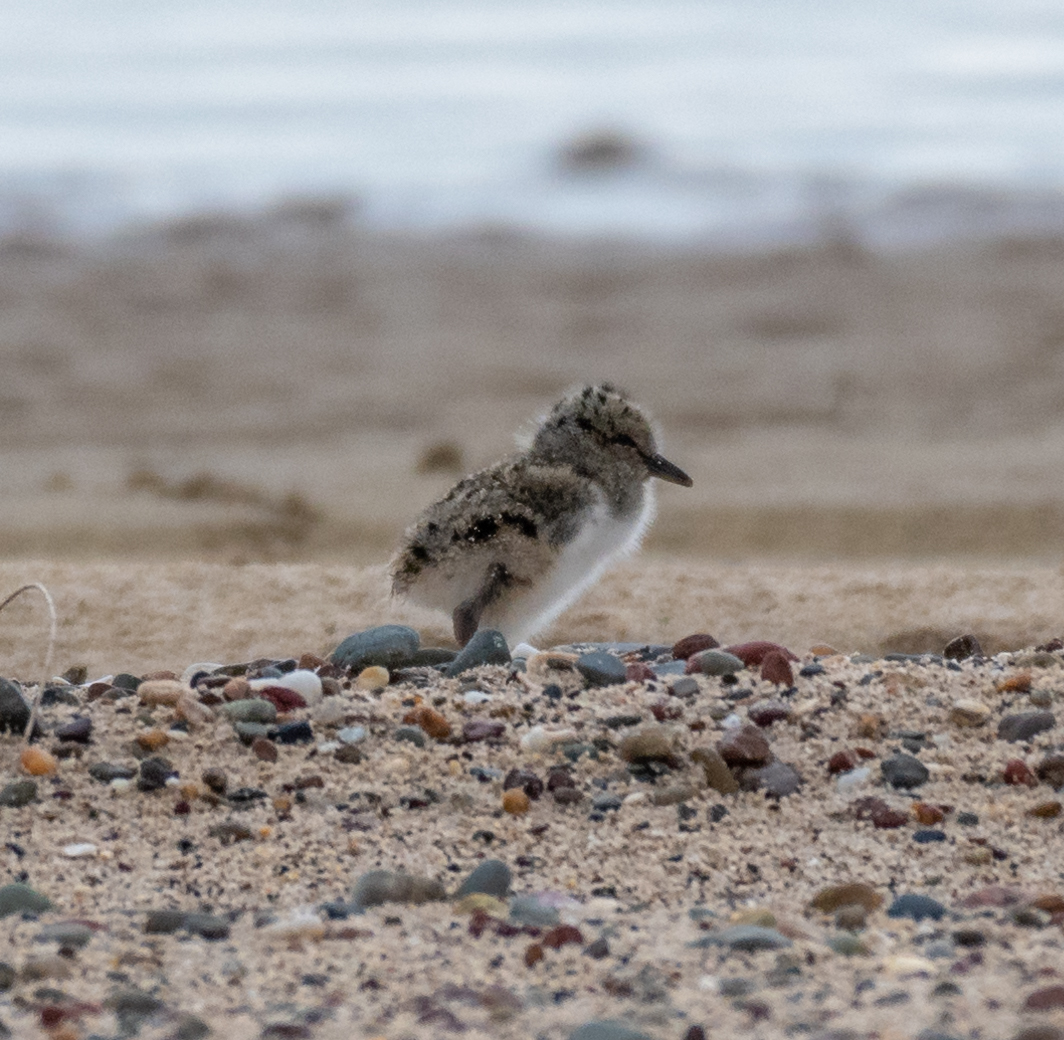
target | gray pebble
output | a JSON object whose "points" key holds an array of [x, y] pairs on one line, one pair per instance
{"points": [[606, 1029], [745, 937], [386, 886], [486, 647], [531, 911], [105, 772], [1025, 725], [410, 734], [388, 646], [904, 771], [78, 730], [685, 687], [916, 907], [164, 922], [719, 662], [351, 734], [492, 877], [69, 934], [208, 926], [601, 669], [604, 802], [777, 779], [19, 793], [18, 898], [252, 709], [154, 772], [249, 732]]}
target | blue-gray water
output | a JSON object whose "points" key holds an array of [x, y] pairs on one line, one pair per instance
{"points": [[755, 118]]}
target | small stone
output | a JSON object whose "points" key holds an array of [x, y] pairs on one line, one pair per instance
{"points": [[904, 771], [207, 926], [516, 802], [927, 814], [1045, 999], [38, 762], [486, 647], [294, 733], [717, 774], [1051, 770], [70, 935], [281, 697], [1045, 810], [1018, 682], [164, 922], [968, 712], [601, 669], [1024, 726], [491, 877], [252, 709], [386, 886], [434, 723], [598, 949], [352, 734], [19, 793], [263, 749], [19, 898], [105, 772], [80, 850], [682, 649], [78, 730], [745, 746], [348, 755], [855, 893], [685, 687], [777, 779], [651, 742], [714, 662], [158, 691], [300, 681], [373, 678], [411, 735], [753, 654], [747, 938], [236, 689], [152, 739], [764, 713], [1018, 774], [14, 711], [154, 772], [387, 646], [928, 836], [881, 815], [215, 779], [842, 762], [606, 1029], [775, 668], [524, 779], [483, 729], [961, 648], [192, 710], [917, 907]]}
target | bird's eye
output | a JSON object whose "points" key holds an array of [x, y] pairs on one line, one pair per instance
{"points": [[625, 440]]}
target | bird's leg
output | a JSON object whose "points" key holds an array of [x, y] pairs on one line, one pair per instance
{"points": [[466, 616]]}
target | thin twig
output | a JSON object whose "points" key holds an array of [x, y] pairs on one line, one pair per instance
{"points": [[48, 655]]}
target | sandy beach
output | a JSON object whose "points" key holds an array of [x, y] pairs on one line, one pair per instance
{"points": [[214, 432]]}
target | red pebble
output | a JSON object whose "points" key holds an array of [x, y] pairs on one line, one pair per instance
{"points": [[754, 653], [282, 698], [1045, 999], [639, 672], [533, 955], [564, 933], [775, 669], [666, 710], [744, 747], [695, 644], [1018, 773], [842, 762]]}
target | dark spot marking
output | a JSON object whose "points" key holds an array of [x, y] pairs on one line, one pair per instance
{"points": [[419, 552], [487, 527], [524, 524]]}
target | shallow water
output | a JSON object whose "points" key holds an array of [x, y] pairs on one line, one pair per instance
{"points": [[750, 119]]}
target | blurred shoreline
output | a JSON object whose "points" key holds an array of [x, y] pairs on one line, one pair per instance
{"points": [[291, 384]]}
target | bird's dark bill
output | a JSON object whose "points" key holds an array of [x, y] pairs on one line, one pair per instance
{"points": [[665, 470]]}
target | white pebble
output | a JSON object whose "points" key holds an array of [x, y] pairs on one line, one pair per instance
{"points": [[306, 683], [79, 850], [731, 721], [303, 923], [540, 739], [476, 697], [352, 734], [329, 711], [120, 785], [327, 747], [524, 650]]}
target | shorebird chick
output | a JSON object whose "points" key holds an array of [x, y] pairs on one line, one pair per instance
{"points": [[512, 546]]}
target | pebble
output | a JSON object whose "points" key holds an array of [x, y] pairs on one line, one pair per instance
{"points": [[1051, 769], [716, 771], [961, 648], [539, 739], [373, 678], [434, 723], [747, 938], [38, 762], [482, 729], [190, 709], [853, 779], [264, 749], [745, 746], [159, 691], [154, 772], [19, 793], [236, 689], [715, 662], [904, 771], [601, 669], [685, 687], [753, 654], [105, 772], [968, 712], [775, 668], [78, 730], [534, 911], [1045, 999], [1025, 725], [486, 647], [830, 899], [764, 713], [19, 898], [70, 935], [152, 739], [386, 646], [516, 802], [491, 877], [777, 780], [352, 734], [410, 735], [330, 711], [682, 649], [301, 681], [14, 711], [606, 1029], [385, 886], [526, 780], [253, 709], [917, 907], [294, 733], [651, 742]]}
